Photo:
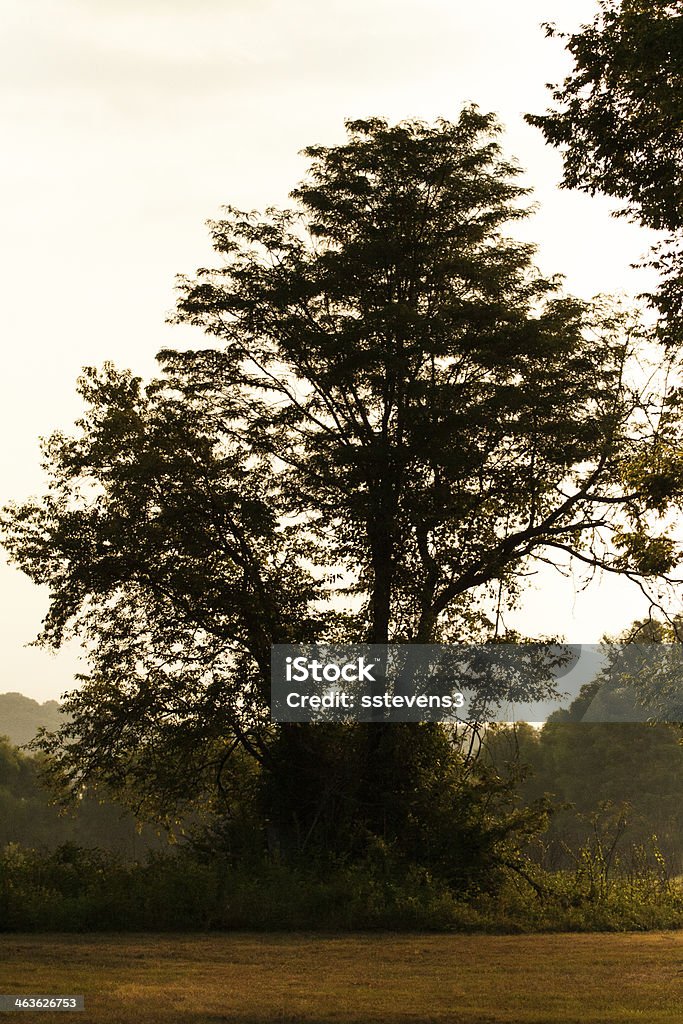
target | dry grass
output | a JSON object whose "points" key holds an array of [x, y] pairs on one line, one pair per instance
{"points": [[358, 979]]}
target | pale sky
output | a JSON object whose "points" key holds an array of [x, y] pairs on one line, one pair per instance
{"points": [[127, 123]]}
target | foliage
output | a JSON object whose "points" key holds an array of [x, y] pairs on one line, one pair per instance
{"points": [[620, 126], [397, 415], [598, 768], [77, 889], [29, 817], [412, 797], [619, 123]]}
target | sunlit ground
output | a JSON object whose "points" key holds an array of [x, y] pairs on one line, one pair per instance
{"points": [[388, 978]]}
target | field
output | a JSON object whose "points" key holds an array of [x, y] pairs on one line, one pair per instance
{"points": [[360, 979]]}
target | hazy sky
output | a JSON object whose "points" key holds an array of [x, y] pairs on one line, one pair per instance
{"points": [[127, 123]]}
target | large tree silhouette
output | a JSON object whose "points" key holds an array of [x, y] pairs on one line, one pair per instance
{"points": [[394, 416]]}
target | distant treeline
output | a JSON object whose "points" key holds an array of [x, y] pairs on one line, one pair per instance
{"points": [[620, 784], [623, 781], [28, 816], [21, 717]]}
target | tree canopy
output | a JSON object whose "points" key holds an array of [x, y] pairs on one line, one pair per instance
{"points": [[395, 416], [619, 122]]}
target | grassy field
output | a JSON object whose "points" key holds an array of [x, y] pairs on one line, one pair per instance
{"points": [[359, 979]]}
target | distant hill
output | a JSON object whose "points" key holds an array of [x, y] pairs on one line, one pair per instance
{"points": [[21, 717]]}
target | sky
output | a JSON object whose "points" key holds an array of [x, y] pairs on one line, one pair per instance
{"points": [[126, 124]]}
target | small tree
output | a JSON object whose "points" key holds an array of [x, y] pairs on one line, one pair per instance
{"points": [[397, 415]]}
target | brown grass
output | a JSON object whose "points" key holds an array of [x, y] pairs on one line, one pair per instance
{"points": [[358, 979]]}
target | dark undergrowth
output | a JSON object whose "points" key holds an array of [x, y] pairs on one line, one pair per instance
{"points": [[81, 890]]}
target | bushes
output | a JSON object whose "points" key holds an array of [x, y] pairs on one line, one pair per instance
{"points": [[70, 889], [75, 889]]}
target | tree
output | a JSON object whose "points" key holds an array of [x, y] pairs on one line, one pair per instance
{"points": [[28, 815], [635, 768], [619, 124], [615, 751], [397, 415]]}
